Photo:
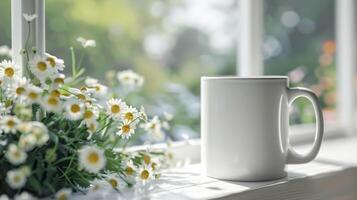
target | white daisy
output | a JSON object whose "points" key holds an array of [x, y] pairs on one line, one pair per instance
{"points": [[16, 178], [126, 129], [52, 103], [33, 94], [56, 63], [131, 114], [5, 51], [168, 116], [63, 194], [98, 184], [9, 123], [40, 131], [41, 68], [17, 90], [55, 93], [92, 159], [25, 170], [27, 142], [92, 127], [144, 175], [153, 125], [74, 109], [15, 155], [146, 159], [130, 79], [166, 125], [58, 80], [129, 168], [29, 17], [24, 127], [24, 196], [4, 197], [100, 90], [116, 108], [9, 71], [116, 182], [90, 81], [82, 94], [86, 43], [91, 114], [154, 129], [143, 114]]}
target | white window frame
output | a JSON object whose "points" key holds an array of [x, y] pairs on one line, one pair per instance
{"points": [[250, 59]]}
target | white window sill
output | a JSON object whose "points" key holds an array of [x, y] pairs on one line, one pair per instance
{"points": [[332, 175]]}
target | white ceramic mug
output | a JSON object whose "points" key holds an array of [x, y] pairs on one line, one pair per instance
{"points": [[244, 127]]}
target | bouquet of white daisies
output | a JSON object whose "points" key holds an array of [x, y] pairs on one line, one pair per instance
{"points": [[56, 138]]}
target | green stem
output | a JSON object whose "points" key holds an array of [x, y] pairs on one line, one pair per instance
{"points": [[81, 59], [117, 139], [67, 178], [73, 61]]}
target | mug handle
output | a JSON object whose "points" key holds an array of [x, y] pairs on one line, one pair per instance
{"points": [[292, 156]]}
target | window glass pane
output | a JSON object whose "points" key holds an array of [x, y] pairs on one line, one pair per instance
{"points": [[5, 29], [171, 43], [300, 42]]}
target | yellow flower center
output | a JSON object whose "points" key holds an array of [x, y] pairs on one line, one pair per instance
{"points": [[153, 165], [52, 101], [59, 80], [62, 197], [125, 128], [146, 159], [55, 93], [51, 61], [144, 175], [113, 183], [10, 123], [75, 108], [93, 158], [20, 90], [129, 171], [17, 154], [9, 72], [88, 114], [97, 88], [129, 116], [81, 96], [33, 95], [170, 156], [115, 109], [42, 66], [83, 89], [17, 178], [92, 127], [153, 126]]}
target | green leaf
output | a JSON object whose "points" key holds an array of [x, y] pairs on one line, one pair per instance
{"points": [[35, 184]]}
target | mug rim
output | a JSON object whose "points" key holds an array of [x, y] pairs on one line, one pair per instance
{"points": [[245, 77]]}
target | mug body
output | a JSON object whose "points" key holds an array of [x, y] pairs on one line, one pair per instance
{"points": [[244, 126]]}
